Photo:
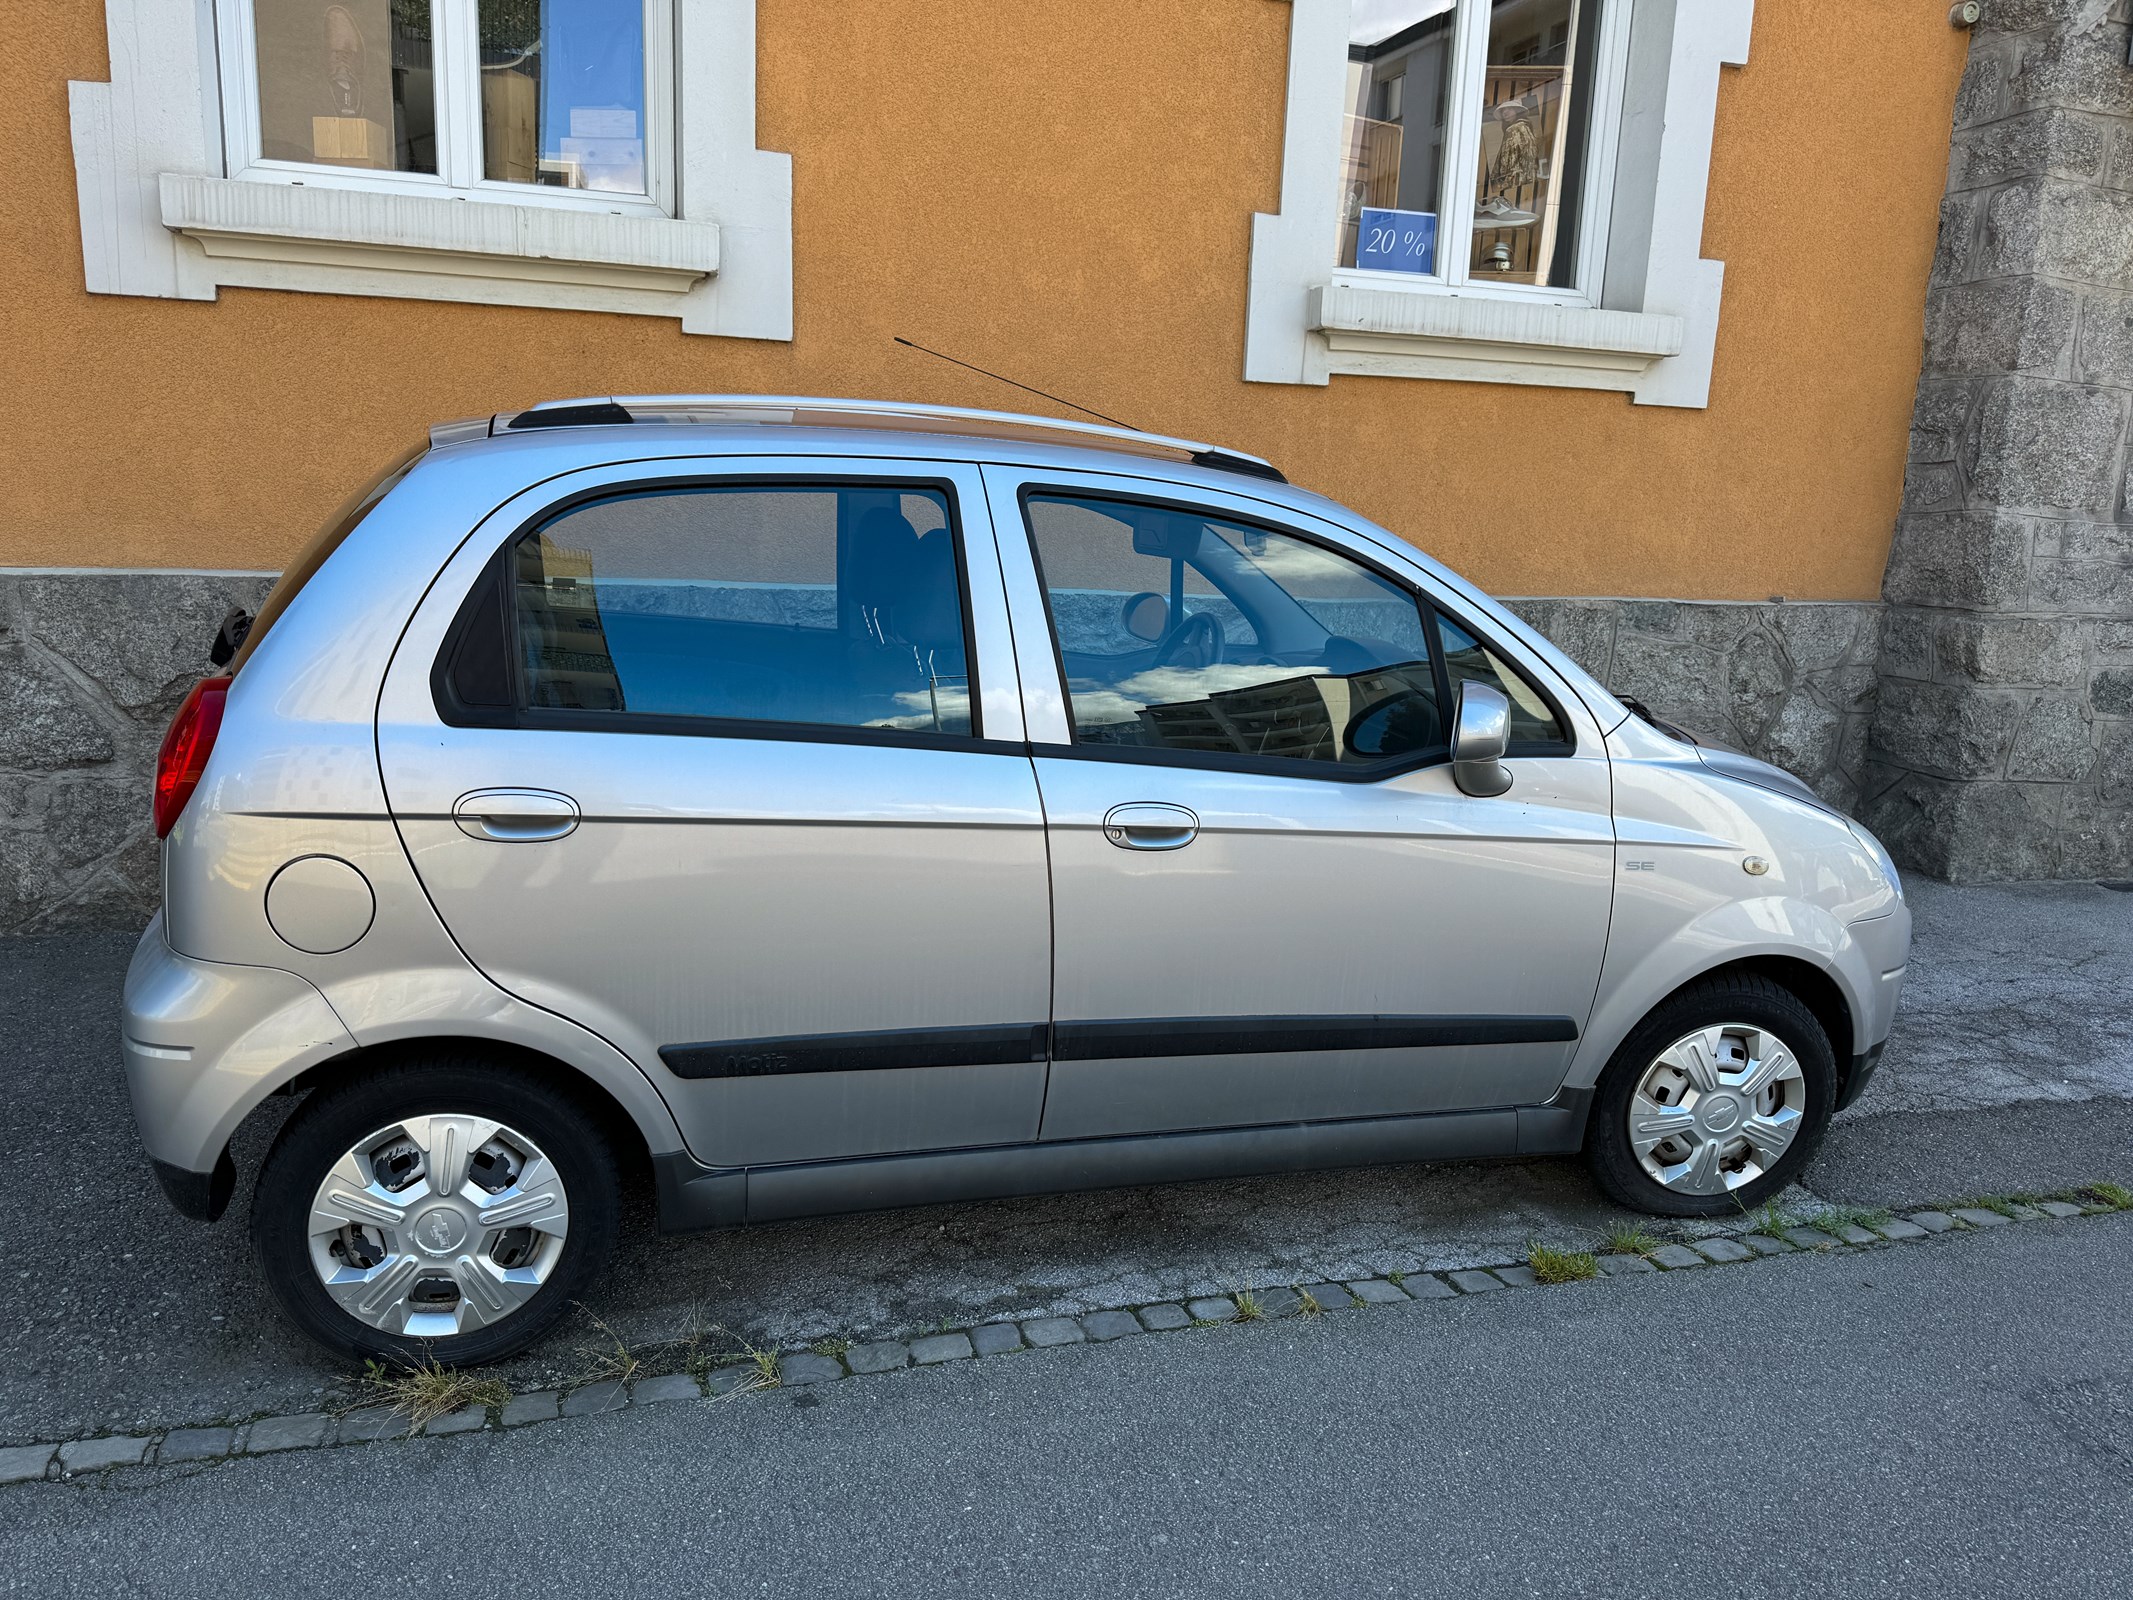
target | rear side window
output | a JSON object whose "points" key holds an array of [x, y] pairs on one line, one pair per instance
{"points": [[802, 605], [1182, 631], [346, 516]]}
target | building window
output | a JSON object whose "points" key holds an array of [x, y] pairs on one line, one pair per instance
{"points": [[1478, 140], [1501, 191], [481, 97], [588, 155]]}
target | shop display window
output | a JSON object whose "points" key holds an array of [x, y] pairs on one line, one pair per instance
{"points": [[1470, 138]]}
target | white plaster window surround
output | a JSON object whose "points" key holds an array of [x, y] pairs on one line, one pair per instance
{"points": [[176, 204], [1644, 316]]}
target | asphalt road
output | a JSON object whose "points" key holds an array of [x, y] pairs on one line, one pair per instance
{"points": [[2012, 1068], [1946, 1419]]}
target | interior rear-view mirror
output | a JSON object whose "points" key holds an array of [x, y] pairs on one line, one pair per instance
{"points": [[1167, 535]]}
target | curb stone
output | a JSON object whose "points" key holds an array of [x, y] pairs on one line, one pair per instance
{"points": [[21, 1463], [77, 1458]]}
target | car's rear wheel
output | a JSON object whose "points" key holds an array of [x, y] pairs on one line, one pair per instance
{"points": [[1715, 1102], [449, 1210]]}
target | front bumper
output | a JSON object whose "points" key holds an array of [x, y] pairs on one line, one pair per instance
{"points": [[204, 1042]]}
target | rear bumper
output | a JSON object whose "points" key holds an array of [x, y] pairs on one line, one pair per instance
{"points": [[204, 1042]]}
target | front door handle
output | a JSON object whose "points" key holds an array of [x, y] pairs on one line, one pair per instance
{"points": [[1150, 825], [515, 816]]}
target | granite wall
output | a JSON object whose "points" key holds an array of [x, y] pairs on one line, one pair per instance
{"points": [[2003, 743], [91, 667]]}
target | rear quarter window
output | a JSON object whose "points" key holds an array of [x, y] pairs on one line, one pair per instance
{"points": [[345, 519]]}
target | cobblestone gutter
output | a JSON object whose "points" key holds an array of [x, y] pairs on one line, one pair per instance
{"points": [[835, 1361]]}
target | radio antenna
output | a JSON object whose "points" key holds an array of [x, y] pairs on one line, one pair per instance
{"points": [[1011, 383]]}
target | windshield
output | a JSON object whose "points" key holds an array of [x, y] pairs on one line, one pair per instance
{"points": [[313, 556]]}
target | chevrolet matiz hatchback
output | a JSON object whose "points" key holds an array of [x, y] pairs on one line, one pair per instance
{"points": [[802, 806]]}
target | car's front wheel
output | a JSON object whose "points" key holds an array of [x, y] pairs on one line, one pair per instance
{"points": [[441, 1209], [1715, 1102]]}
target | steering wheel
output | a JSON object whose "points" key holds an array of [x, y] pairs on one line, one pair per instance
{"points": [[1199, 636]]}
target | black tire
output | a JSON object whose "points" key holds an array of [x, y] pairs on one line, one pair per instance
{"points": [[1741, 998], [333, 1120]]}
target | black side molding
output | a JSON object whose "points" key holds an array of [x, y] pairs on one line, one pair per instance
{"points": [[858, 1052], [1228, 1036], [1098, 1041]]}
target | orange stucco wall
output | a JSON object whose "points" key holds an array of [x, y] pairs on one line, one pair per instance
{"points": [[1063, 192]]}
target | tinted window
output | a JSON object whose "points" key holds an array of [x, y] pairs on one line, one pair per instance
{"points": [[1182, 631], [1465, 657], [841, 607]]}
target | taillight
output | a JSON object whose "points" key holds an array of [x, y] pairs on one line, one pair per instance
{"points": [[186, 745]]}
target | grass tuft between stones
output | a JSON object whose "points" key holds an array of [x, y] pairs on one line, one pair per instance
{"points": [[1560, 1266]]}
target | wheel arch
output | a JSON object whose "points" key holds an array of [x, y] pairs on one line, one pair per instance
{"points": [[629, 1140]]}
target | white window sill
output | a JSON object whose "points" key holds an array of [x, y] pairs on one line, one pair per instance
{"points": [[490, 240], [1432, 332]]}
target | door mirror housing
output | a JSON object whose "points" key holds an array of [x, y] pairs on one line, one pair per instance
{"points": [[1481, 734], [1146, 616]]}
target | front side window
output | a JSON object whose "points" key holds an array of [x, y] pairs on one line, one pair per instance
{"points": [[837, 607], [1471, 145], [1182, 631], [543, 94]]}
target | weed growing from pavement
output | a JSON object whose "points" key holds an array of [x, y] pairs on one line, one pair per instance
{"points": [[615, 1361], [1560, 1266], [1249, 1308], [2003, 1204], [1628, 1239], [428, 1389], [1307, 1304], [2115, 1195], [1831, 1219], [833, 1346], [1396, 1277], [1772, 1219]]}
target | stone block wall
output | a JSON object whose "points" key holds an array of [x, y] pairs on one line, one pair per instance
{"points": [[91, 667], [2003, 743], [1790, 681]]}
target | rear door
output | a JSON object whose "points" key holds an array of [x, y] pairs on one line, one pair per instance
{"points": [[1270, 902], [723, 760]]}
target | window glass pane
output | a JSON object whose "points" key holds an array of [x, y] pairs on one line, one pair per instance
{"points": [[1466, 658], [1536, 106], [834, 606], [1392, 165], [347, 84], [1180, 631], [562, 93]]}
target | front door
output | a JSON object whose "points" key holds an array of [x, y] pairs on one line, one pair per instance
{"points": [[725, 764], [1270, 902]]}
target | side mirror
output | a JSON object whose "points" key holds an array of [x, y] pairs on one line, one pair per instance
{"points": [[1145, 616], [1481, 733]]}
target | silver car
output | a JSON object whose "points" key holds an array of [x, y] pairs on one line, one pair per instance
{"points": [[803, 806]]}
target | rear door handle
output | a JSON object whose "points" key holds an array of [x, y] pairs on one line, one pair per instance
{"points": [[515, 816], [1150, 825]]}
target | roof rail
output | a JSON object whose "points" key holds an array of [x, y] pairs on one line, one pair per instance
{"points": [[595, 410]]}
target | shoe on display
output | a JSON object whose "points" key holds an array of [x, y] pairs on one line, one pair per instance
{"points": [[1495, 212]]}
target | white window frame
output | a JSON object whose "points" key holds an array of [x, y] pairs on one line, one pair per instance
{"points": [[1641, 315], [456, 72], [177, 202], [1462, 154]]}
